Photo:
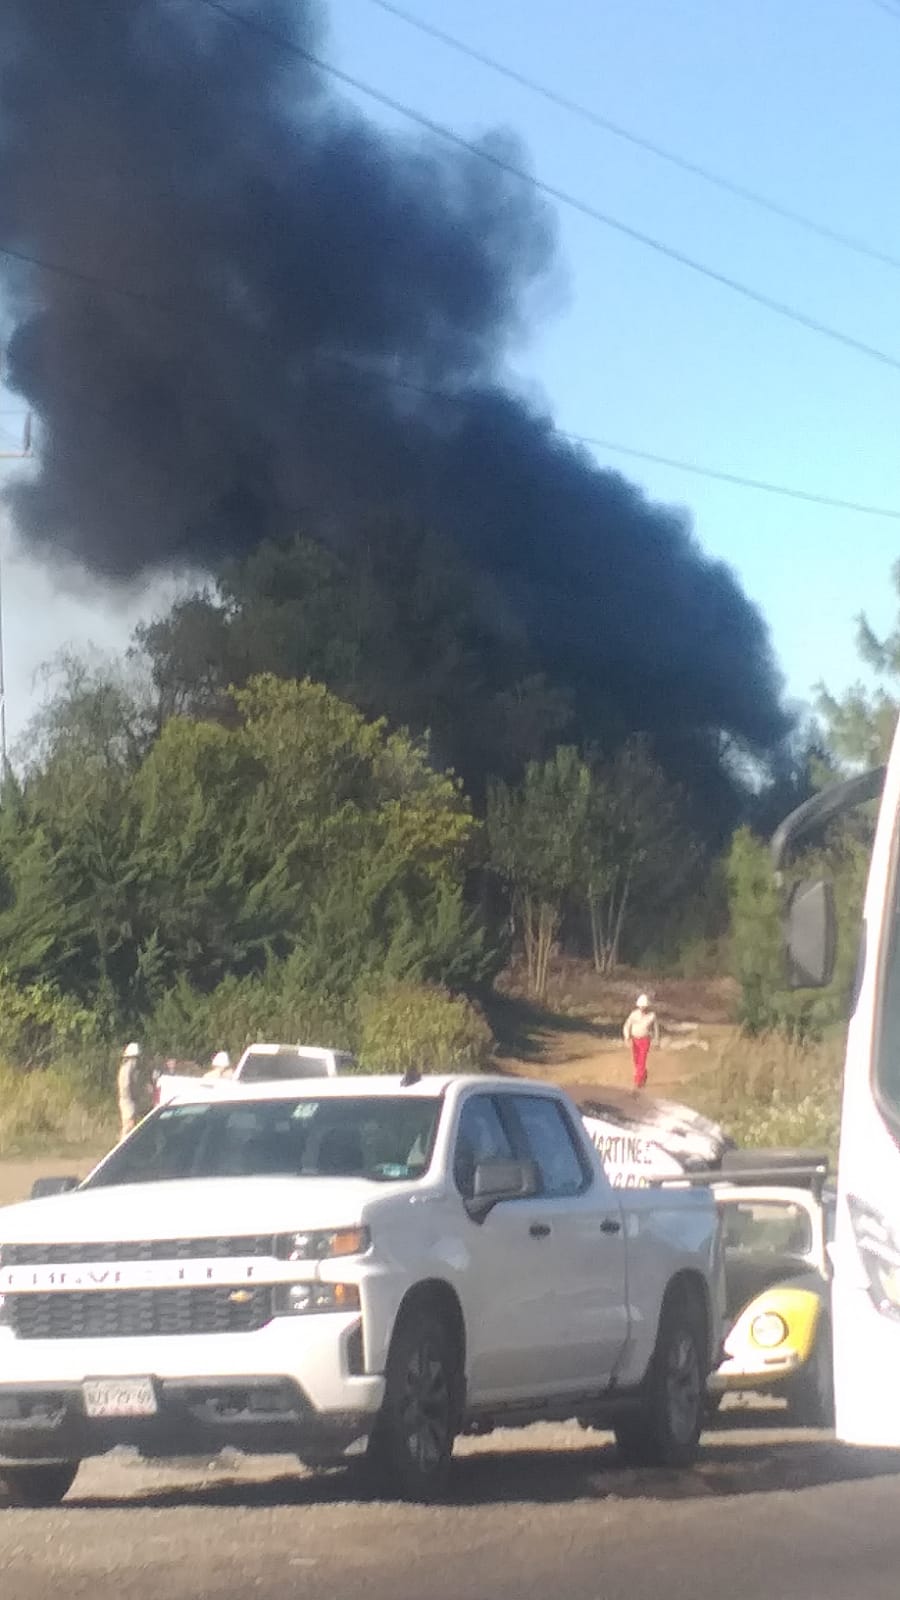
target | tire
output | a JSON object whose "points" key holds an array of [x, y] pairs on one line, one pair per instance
{"points": [[664, 1430], [811, 1394], [411, 1446], [44, 1484]]}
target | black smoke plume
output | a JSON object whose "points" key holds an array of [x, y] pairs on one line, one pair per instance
{"points": [[291, 292]]}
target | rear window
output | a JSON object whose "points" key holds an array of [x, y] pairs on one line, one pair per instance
{"points": [[385, 1140], [280, 1067]]}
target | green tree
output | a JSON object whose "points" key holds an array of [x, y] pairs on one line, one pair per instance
{"points": [[860, 724], [407, 629], [294, 828], [637, 846], [756, 942], [537, 837], [757, 947], [403, 630], [66, 837], [211, 895]]}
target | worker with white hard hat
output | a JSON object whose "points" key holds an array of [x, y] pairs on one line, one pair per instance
{"points": [[640, 1031], [131, 1088], [220, 1066]]}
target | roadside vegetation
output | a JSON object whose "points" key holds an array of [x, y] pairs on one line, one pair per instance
{"points": [[198, 865], [772, 1091]]}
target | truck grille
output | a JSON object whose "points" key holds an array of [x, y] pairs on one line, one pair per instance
{"points": [[136, 1313], [60, 1255]]}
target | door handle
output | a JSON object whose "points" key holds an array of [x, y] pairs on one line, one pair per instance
{"points": [[539, 1230], [610, 1225]]}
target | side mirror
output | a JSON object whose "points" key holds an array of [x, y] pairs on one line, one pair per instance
{"points": [[42, 1187], [811, 936], [498, 1180]]}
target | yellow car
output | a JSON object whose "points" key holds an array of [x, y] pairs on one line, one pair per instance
{"points": [[777, 1277]]}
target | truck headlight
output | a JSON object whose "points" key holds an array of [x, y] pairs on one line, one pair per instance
{"points": [[307, 1299], [879, 1253], [323, 1244], [768, 1330]]}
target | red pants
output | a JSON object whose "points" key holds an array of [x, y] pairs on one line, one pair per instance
{"points": [[640, 1049]]}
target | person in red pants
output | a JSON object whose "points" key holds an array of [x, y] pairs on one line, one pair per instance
{"points": [[640, 1031]]}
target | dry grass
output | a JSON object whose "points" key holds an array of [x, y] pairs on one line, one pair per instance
{"points": [[43, 1110], [769, 1092]]}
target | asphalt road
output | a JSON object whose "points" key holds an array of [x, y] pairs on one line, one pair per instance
{"points": [[547, 1513]]}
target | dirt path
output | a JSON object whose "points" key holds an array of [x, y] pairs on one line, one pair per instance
{"points": [[572, 1057], [576, 1036], [17, 1176]]}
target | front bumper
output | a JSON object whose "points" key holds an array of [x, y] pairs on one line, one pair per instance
{"points": [[296, 1386], [754, 1372], [195, 1416]]}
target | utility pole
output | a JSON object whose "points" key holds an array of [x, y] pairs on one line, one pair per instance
{"points": [[21, 453]]}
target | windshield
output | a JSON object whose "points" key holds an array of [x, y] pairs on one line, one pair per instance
{"points": [[275, 1066], [383, 1139], [766, 1227]]}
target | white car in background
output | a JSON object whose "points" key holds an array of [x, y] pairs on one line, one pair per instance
{"points": [[260, 1063]]}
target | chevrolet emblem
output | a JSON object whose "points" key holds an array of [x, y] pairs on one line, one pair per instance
{"points": [[240, 1297]]}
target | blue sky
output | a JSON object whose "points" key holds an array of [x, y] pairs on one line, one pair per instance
{"points": [[795, 98]]}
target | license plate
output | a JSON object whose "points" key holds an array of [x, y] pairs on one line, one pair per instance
{"points": [[119, 1397]]}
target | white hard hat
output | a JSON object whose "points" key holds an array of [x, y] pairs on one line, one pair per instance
{"points": [[133, 1049], [221, 1059], [642, 1002]]}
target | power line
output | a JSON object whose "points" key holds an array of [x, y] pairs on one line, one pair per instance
{"points": [[89, 280], [884, 5], [777, 307], [465, 399], [576, 108], [758, 484], [678, 463]]}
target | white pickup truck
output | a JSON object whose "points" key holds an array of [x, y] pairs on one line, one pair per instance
{"points": [[260, 1063], [352, 1265]]}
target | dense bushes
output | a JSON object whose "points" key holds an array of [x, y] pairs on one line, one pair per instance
{"points": [[67, 1096], [39, 1026], [289, 870], [410, 1025], [294, 825], [387, 1023]]}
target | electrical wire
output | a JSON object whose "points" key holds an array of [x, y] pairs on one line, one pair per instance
{"points": [[884, 5], [769, 303], [718, 180], [462, 398]]}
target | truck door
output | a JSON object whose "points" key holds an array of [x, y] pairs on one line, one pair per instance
{"points": [[582, 1258], [512, 1321]]}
